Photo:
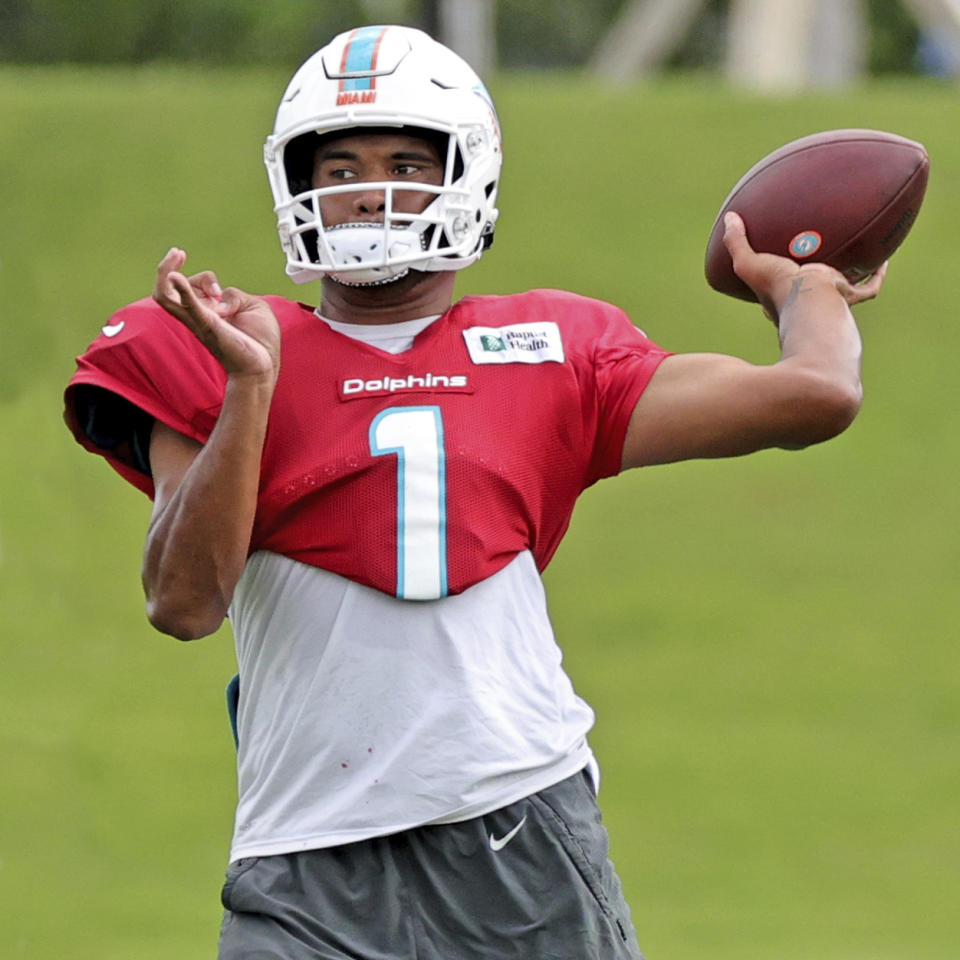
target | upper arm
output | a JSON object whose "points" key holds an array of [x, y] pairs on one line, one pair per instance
{"points": [[171, 454], [710, 405]]}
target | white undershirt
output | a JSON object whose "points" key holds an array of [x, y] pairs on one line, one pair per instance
{"points": [[389, 337], [363, 715]]}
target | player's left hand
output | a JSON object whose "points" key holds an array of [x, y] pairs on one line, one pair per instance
{"points": [[772, 278]]}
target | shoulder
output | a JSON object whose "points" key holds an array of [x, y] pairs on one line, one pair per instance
{"points": [[143, 348], [140, 342], [140, 327], [143, 365], [547, 303], [585, 324]]}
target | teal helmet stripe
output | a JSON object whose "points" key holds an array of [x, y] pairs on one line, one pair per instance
{"points": [[360, 56]]}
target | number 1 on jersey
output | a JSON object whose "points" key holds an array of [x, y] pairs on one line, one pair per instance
{"points": [[415, 435]]}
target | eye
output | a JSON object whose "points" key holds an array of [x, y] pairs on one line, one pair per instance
{"points": [[406, 170], [341, 173]]}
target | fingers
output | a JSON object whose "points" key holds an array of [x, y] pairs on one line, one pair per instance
{"points": [[197, 300], [185, 291], [749, 265], [238, 329], [733, 224], [206, 283], [178, 294], [770, 276], [234, 301], [736, 242], [866, 290], [163, 291], [173, 259], [871, 287], [735, 235]]}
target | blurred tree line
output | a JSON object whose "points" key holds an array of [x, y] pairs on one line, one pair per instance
{"points": [[530, 33]]}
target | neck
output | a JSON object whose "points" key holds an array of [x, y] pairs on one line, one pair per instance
{"points": [[418, 294]]}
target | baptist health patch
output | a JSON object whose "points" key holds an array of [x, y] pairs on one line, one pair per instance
{"points": [[518, 343]]}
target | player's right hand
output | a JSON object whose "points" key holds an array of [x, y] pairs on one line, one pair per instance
{"points": [[240, 330], [772, 278]]}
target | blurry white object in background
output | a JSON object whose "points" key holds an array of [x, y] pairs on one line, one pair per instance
{"points": [[468, 28], [773, 46], [783, 46], [642, 37], [939, 51]]}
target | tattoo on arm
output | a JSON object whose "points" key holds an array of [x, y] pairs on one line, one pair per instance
{"points": [[795, 291], [799, 286]]}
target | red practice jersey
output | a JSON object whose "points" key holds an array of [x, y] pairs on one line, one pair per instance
{"points": [[419, 473]]}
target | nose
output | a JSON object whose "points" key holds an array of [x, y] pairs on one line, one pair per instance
{"points": [[369, 204]]}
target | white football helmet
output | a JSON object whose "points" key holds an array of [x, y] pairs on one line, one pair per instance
{"points": [[385, 77]]}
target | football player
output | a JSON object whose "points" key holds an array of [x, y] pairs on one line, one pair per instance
{"points": [[371, 489]]}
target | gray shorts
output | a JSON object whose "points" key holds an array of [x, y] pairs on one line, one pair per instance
{"points": [[531, 880]]}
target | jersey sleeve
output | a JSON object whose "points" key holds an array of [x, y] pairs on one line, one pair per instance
{"points": [[144, 366], [619, 362], [613, 362]]}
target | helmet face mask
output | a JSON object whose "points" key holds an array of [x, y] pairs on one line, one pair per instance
{"points": [[385, 80]]}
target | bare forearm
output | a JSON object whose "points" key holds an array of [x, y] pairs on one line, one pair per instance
{"points": [[709, 405], [820, 345], [199, 538], [817, 329]]}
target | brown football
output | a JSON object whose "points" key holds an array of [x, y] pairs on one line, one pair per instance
{"points": [[843, 197]]}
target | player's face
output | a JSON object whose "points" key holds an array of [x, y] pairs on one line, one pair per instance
{"points": [[370, 158]]}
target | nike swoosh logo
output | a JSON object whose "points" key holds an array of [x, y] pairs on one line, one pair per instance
{"points": [[112, 329], [499, 844]]}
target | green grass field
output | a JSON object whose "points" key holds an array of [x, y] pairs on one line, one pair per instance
{"points": [[770, 643]]}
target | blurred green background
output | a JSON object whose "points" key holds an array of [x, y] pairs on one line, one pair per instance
{"points": [[528, 33], [770, 643]]}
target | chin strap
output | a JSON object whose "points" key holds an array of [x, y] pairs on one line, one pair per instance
{"points": [[347, 281]]}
